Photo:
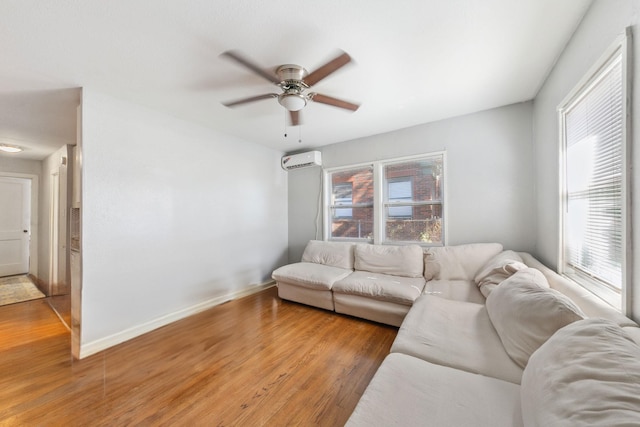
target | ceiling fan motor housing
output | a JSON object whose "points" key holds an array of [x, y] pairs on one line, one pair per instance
{"points": [[291, 72]]}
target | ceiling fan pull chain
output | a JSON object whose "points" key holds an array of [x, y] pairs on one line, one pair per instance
{"points": [[285, 124], [299, 134]]}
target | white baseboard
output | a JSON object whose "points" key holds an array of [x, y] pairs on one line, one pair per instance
{"points": [[97, 346]]}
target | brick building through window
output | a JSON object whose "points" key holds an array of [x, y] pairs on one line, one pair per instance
{"points": [[409, 206]]}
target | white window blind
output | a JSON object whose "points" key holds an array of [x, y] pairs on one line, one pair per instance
{"points": [[594, 179]]}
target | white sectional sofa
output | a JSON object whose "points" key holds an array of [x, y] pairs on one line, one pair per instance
{"points": [[374, 282], [487, 337]]}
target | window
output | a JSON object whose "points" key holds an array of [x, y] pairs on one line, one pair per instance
{"points": [[594, 190], [392, 201]]}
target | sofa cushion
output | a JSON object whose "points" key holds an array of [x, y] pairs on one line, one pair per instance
{"points": [[458, 290], [402, 290], [458, 262], [335, 254], [497, 269], [586, 374], [633, 332], [456, 334], [387, 312], [406, 391], [310, 275], [525, 314], [403, 261], [588, 302]]}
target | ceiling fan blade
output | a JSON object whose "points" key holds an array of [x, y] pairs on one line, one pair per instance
{"points": [[328, 68], [324, 99], [294, 118], [247, 100], [240, 59]]}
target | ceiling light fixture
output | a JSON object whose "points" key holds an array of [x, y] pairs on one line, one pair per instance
{"points": [[292, 101], [10, 148]]}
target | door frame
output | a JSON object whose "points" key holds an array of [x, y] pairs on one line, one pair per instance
{"points": [[33, 238], [54, 231]]}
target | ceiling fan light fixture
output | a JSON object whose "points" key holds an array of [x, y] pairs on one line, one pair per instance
{"points": [[10, 148], [292, 101]]}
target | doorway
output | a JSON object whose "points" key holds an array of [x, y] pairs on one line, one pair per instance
{"points": [[15, 225]]}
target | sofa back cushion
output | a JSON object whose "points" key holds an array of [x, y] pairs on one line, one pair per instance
{"points": [[403, 261], [460, 262], [497, 269], [588, 302], [335, 254], [526, 314], [587, 373]]}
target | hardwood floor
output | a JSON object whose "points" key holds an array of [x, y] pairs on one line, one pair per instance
{"points": [[250, 362], [61, 304]]}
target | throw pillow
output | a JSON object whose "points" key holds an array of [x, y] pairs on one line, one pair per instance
{"points": [[499, 268], [525, 314], [586, 374]]}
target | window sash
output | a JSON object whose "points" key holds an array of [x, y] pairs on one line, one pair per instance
{"points": [[349, 218]]}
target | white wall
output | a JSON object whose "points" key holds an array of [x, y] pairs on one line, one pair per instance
{"points": [[174, 216], [605, 20], [490, 191], [14, 165]]}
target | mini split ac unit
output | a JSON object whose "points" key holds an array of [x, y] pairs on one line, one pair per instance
{"points": [[302, 160]]}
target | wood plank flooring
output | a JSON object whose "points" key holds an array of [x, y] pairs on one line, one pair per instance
{"points": [[255, 361], [61, 304]]}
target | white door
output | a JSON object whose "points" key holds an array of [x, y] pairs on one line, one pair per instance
{"points": [[15, 215]]}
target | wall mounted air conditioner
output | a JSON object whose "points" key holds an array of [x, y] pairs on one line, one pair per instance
{"points": [[302, 160]]}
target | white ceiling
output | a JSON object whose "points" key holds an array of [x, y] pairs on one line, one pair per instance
{"points": [[415, 61]]}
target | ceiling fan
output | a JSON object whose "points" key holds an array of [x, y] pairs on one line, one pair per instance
{"points": [[294, 81]]}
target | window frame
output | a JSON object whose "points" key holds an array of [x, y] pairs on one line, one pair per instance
{"points": [[619, 300], [379, 196]]}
